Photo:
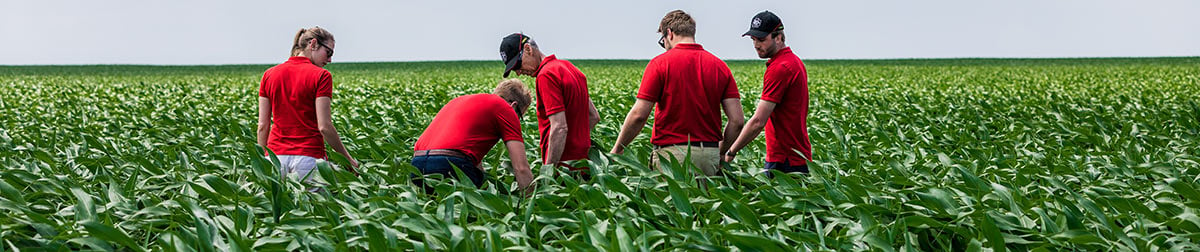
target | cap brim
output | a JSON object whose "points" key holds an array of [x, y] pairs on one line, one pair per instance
{"points": [[508, 66], [756, 34]]}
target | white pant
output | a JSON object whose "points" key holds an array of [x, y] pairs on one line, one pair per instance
{"points": [[298, 165]]}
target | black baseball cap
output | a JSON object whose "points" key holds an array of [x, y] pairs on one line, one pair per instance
{"points": [[763, 24], [511, 48]]}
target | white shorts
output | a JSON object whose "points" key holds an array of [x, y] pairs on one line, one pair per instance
{"points": [[297, 165]]}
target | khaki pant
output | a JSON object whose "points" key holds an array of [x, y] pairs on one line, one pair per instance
{"points": [[707, 159]]}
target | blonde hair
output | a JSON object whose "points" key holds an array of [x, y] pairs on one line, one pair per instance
{"points": [[307, 34], [513, 90], [678, 22]]}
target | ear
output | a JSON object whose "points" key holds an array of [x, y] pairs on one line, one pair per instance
{"points": [[312, 44]]}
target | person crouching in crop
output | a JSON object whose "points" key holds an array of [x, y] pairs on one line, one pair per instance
{"points": [[294, 113], [467, 127], [783, 108]]}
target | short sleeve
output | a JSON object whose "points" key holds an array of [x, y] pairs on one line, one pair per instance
{"points": [[550, 89], [262, 86], [776, 83], [652, 82], [731, 90], [508, 123], [325, 85]]}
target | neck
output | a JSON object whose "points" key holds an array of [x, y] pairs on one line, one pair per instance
{"points": [[686, 40]]}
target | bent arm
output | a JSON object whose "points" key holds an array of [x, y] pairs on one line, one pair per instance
{"points": [[329, 133], [593, 115], [634, 121], [753, 127], [557, 138], [735, 120], [264, 120]]}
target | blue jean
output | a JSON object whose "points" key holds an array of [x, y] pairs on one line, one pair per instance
{"points": [[445, 165], [784, 167]]}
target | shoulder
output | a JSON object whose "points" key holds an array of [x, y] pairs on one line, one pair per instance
{"points": [[275, 69], [789, 64]]}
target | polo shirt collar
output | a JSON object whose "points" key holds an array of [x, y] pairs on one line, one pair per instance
{"points": [[785, 50], [689, 46], [545, 60], [299, 59]]}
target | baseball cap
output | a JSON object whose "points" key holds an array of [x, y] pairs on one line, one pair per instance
{"points": [[763, 24], [511, 48]]}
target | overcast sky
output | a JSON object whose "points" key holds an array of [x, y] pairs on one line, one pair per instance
{"points": [[242, 31]]}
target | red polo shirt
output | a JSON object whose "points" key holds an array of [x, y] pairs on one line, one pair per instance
{"points": [[786, 84], [561, 87], [471, 124], [293, 88], [688, 84]]}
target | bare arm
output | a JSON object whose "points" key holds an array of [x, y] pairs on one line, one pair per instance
{"points": [[733, 112], [752, 129], [516, 153], [557, 138], [329, 133], [634, 121], [593, 115], [264, 120]]}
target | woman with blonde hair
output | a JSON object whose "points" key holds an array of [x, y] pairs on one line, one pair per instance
{"points": [[294, 114]]}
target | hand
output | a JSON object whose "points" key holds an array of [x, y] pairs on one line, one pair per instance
{"points": [[353, 166], [728, 158], [617, 150], [527, 192]]}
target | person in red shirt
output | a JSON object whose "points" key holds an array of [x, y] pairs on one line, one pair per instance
{"points": [[688, 87], [565, 113], [466, 129], [294, 113], [783, 108]]}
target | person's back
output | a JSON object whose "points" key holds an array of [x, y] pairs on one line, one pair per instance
{"points": [[688, 85], [688, 88], [294, 106], [471, 124], [293, 88]]}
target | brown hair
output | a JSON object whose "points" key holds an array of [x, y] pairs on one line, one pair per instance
{"points": [[513, 90], [306, 34], [678, 22], [779, 34]]}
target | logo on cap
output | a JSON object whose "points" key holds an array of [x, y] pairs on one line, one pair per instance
{"points": [[503, 56], [756, 23]]}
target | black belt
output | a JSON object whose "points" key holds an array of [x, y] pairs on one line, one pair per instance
{"points": [[696, 144], [442, 152]]}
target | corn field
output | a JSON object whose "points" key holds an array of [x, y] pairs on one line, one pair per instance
{"points": [[909, 155]]}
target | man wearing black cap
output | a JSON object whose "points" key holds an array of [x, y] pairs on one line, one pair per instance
{"points": [[783, 108], [565, 111]]}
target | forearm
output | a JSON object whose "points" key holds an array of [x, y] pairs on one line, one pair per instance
{"points": [[731, 135], [264, 133], [629, 130], [335, 141], [749, 133], [520, 164], [593, 116], [557, 140]]}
